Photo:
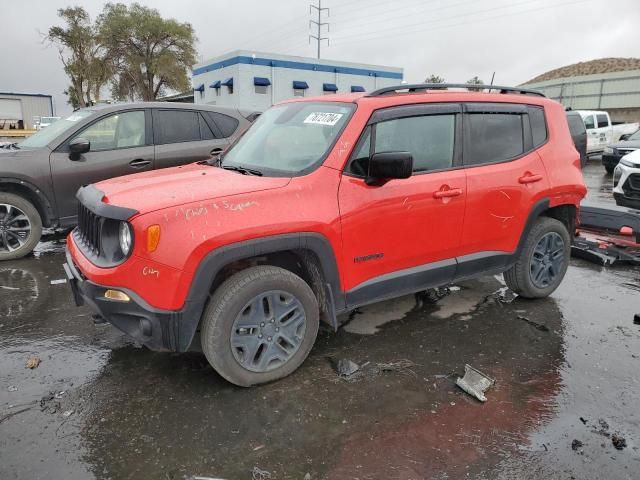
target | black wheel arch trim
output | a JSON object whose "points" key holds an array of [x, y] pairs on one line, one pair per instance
{"points": [[217, 259], [45, 208]]}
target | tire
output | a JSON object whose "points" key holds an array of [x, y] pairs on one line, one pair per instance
{"points": [[521, 276], [235, 313], [609, 169], [18, 218]]}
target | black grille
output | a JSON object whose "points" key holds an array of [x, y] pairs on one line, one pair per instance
{"points": [[634, 182], [89, 230]]}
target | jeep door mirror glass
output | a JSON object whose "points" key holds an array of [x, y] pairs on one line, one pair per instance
{"points": [[385, 166], [77, 147]]}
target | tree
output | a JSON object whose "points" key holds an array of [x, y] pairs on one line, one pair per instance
{"points": [[83, 56], [148, 53], [434, 79], [474, 81]]}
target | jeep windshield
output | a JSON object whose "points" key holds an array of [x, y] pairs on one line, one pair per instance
{"points": [[46, 135], [289, 139]]}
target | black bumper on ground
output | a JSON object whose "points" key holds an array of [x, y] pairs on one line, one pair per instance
{"points": [[610, 160], [162, 330]]}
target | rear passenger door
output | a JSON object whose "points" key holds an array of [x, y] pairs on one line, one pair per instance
{"points": [[505, 179], [184, 136]]}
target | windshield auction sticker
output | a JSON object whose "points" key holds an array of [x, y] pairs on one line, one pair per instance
{"points": [[323, 118]]}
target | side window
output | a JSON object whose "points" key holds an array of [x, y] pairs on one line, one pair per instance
{"points": [[175, 126], [493, 137], [120, 130], [225, 123], [538, 126], [589, 122], [603, 121], [205, 130], [429, 138]]}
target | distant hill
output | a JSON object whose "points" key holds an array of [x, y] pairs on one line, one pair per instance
{"points": [[601, 65]]}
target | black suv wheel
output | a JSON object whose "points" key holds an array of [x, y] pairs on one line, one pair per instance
{"points": [[542, 261], [20, 226]]}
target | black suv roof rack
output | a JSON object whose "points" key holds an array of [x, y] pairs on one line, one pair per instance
{"points": [[421, 87]]}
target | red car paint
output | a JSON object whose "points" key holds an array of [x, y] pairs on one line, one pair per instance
{"points": [[201, 208]]}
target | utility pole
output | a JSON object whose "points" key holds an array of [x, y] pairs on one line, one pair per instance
{"points": [[319, 24]]}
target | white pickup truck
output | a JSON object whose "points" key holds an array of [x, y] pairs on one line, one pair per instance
{"points": [[601, 131]]}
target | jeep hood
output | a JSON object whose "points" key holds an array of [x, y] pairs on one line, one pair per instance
{"points": [[171, 187], [626, 144]]}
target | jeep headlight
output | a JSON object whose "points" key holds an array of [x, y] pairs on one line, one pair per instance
{"points": [[125, 237], [608, 150]]}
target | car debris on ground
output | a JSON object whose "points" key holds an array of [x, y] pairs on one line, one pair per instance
{"points": [[33, 362], [475, 383], [350, 371]]}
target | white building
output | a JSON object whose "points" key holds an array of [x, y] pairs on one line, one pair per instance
{"points": [[255, 80]]}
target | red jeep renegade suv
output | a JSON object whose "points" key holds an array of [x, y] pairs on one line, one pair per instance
{"points": [[326, 204]]}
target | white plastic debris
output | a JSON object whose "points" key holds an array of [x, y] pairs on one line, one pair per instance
{"points": [[59, 281], [475, 383]]}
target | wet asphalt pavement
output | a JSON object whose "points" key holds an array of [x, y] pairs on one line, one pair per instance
{"points": [[99, 406]]}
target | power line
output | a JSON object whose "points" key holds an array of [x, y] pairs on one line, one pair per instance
{"points": [[436, 26], [319, 24]]}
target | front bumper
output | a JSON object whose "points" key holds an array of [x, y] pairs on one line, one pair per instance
{"points": [[626, 192], [610, 160], [163, 330]]}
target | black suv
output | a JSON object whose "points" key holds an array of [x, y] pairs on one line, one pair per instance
{"points": [[39, 177]]}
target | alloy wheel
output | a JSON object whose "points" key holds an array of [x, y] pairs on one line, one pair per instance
{"points": [[268, 331], [15, 228], [548, 260]]}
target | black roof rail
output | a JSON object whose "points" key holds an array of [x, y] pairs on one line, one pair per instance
{"points": [[421, 87]]}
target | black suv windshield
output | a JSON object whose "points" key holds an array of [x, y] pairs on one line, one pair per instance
{"points": [[46, 135], [290, 139]]}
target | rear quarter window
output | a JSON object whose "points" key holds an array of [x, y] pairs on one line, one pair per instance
{"points": [[538, 125], [227, 125]]}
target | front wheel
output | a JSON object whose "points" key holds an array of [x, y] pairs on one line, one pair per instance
{"points": [[259, 325], [542, 261], [20, 226]]}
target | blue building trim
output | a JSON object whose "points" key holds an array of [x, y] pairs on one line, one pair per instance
{"points": [[266, 62]]}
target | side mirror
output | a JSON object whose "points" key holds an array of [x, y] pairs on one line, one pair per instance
{"points": [[385, 166], [77, 147], [625, 137]]}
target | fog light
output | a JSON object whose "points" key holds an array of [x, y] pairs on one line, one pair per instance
{"points": [[117, 295]]}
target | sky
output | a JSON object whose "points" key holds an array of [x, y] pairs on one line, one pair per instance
{"points": [[456, 39]]}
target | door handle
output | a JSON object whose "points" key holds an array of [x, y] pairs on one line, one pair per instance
{"points": [[446, 192], [139, 163], [529, 178]]}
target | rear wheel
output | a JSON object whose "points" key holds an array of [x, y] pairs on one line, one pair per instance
{"points": [[260, 325], [542, 261], [20, 226]]}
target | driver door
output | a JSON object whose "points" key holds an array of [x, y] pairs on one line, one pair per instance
{"points": [[404, 235], [121, 144]]}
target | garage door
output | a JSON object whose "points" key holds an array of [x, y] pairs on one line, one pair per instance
{"points": [[10, 109]]}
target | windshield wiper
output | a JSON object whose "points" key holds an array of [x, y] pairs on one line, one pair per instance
{"points": [[9, 146], [243, 170]]}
